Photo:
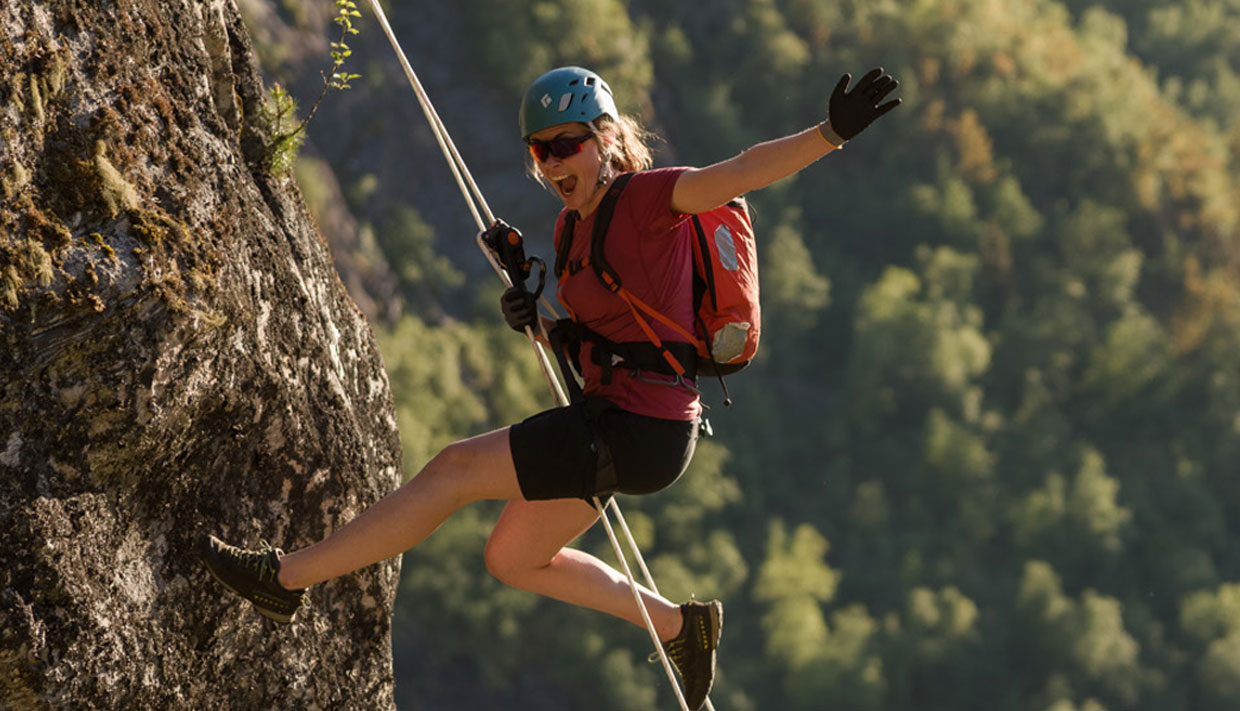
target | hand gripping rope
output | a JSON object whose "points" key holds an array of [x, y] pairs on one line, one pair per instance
{"points": [[483, 218]]}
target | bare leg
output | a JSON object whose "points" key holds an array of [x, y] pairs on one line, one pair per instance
{"points": [[470, 470], [526, 550]]}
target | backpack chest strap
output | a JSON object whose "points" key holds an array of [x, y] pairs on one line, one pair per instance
{"points": [[576, 265]]}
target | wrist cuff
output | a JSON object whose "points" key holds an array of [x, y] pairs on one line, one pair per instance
{"points": [[830, 136]]}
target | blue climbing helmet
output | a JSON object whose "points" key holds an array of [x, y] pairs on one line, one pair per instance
{"points": [[565, 95]]}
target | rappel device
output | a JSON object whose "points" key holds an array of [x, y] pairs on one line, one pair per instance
{"points": [[508, 247]]}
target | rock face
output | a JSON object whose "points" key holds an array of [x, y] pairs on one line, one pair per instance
{"points": [[178, 357]]}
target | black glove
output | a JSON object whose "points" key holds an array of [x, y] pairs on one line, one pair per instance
{"points": [[520, 308], [851, 111]]}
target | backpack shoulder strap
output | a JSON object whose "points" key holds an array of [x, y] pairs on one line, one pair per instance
{"points": [[704, 275], [602, 221], [565, 244]]}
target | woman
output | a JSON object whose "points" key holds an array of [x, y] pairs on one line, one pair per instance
{"points": [[635, 430]]}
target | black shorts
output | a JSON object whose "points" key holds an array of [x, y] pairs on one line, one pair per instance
{"points": [[596, 448]]}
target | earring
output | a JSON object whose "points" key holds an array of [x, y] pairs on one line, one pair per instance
{"points": [[604, 168]]}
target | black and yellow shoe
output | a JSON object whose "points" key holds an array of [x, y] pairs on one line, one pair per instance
{"points": [[693, 651], [252, 575]]}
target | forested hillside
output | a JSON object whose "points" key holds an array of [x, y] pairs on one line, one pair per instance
{"points": [[987, 457]]}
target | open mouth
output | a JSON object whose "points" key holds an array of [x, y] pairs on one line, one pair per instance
{"points": [[566, 185]]}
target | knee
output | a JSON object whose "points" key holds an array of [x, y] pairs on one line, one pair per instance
{"points": [[504, 561], [498, 560], [454, 457], [445, 472]]}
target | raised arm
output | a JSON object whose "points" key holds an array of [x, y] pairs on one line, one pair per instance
{"points": [[701, 189]]}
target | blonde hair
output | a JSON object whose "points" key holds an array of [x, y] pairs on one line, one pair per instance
{"points": [[631, 148], [627, 151]]}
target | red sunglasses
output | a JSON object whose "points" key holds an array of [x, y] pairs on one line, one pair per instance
{"points": [[561, 147]]}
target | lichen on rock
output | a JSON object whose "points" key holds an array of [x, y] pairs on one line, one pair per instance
{"points": [[179, 357]]}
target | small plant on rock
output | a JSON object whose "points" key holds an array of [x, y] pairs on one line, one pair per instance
{"points": [[282, 111]]}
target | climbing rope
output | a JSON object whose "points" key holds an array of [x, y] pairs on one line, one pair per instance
{"points": [[484, 218]]}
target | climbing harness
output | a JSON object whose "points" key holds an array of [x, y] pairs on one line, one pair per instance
{"points": [[515, 268]]}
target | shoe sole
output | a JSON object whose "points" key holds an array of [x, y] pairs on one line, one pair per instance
{"points": [[269, 614], [716, 632], [716, 623]]}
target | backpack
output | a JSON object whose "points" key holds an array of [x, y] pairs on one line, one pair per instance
{"points": [[725, 294]]}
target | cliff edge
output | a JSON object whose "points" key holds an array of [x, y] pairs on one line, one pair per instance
{"points": [[178, 357]]}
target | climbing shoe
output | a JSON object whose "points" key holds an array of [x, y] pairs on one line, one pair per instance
{"points": [[252, 575], [693, 651]]}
